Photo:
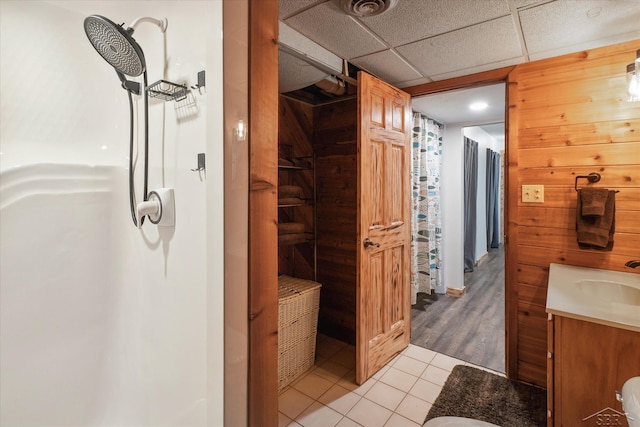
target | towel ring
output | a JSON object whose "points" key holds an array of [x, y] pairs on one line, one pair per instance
{"points": [[592, 177]]}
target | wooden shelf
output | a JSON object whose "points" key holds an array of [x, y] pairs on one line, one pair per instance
{"points": [[303, 168], [292, 205]]}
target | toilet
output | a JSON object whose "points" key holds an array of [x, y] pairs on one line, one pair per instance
{"points": [[457, 422], [630, 398]]}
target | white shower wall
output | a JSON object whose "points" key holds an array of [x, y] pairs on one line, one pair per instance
{"points": [[102, 323]]}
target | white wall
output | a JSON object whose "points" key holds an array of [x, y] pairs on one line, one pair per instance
{"points": [[452, 203], [484, 141], [102, 323]]}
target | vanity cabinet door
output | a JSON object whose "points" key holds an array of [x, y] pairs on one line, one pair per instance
{"points": [[590, 362]]}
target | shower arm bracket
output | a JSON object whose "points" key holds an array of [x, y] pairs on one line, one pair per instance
{"points": [[129, 85], [160, 23]]}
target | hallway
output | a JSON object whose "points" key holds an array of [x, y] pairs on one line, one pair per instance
{"points": [[469, 328]]}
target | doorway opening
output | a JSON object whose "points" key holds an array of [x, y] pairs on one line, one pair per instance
{"points": [[467, 320]]}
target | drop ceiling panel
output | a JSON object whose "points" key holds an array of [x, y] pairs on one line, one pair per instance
{"points": [[294, 74], [453, 106], [521, 4], [290, 7], [328, 26], [409, 83], [289, 38], [412, 20], [487, 43], [569, 26], [388, 66], [479, 68]]}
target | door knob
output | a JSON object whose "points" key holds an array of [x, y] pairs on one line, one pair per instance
{"points": [[368, 242]]}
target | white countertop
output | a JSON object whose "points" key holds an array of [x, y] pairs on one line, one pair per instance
{"points": [[606, 297]]}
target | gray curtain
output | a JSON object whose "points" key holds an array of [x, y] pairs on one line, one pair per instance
{"points": [[493, 199], [470, 195]]}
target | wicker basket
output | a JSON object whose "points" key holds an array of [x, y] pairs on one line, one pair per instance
{"points": [[298, 303]]}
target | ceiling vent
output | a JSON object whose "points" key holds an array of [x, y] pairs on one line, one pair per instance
{"points": [[366, 8]]}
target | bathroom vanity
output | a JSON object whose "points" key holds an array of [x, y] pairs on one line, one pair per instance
{"points": [[593, 344]]}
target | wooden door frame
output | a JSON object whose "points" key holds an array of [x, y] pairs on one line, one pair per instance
{"points": [[262, 387], [500, 75], [262, 384]]}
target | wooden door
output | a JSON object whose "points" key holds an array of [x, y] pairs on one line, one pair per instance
{"points": [[383, 315]]}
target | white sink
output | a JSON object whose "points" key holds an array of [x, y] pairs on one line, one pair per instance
{"points": [[602, 296]]}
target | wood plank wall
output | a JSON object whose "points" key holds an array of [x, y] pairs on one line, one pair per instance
{"points": [[335, 146], [295, 133], [329, 134], [567, 117]]}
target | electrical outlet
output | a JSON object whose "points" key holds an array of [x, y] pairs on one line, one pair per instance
{"points": [[533, 193]]}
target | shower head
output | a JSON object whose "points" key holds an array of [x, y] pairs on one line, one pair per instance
{"points": [[115, 45]]}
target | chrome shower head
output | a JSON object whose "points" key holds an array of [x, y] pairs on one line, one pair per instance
{"points": [[115, 45]]}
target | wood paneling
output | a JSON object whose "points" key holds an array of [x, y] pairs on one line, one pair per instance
{"points": [[334, 143], [263, 237], [609, 356], [567, 117], [599, 119], [580, 134], [295, 133]]}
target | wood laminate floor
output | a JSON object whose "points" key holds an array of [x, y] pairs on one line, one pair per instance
{"points": [[470, 328]]}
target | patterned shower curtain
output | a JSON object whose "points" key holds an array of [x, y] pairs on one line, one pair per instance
{"points": [[426, 230]]}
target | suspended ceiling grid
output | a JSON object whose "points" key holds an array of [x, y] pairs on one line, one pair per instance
{"points": [[419, 41]]}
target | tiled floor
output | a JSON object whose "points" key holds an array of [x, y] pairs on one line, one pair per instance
{"points": [[399, 395]]}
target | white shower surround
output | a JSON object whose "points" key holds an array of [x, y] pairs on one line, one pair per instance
{"points": [[102, 324]]}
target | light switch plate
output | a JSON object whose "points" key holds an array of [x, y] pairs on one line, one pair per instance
{"points": [[533, 193]]}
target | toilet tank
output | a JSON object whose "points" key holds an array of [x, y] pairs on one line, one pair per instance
{"points": [[630, 398]]}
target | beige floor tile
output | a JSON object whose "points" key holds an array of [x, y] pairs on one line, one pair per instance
{"points": [[435, 375], [419, 353], [399, 379], [414, 409], [318, 415], [327, 347], [400, 421], [425, 390], [385, 395], [346, 357], [283, 420], [313, 385], [410, 365], [398, 395], [331, 370], [346, 422], [348, 381], [292, 402], [339, 399], [381, 372], [369, 414], [501, 374], [445, 362], [364, 387]]}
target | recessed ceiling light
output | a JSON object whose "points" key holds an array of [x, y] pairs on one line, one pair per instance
{"points": [[478, 106]]}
